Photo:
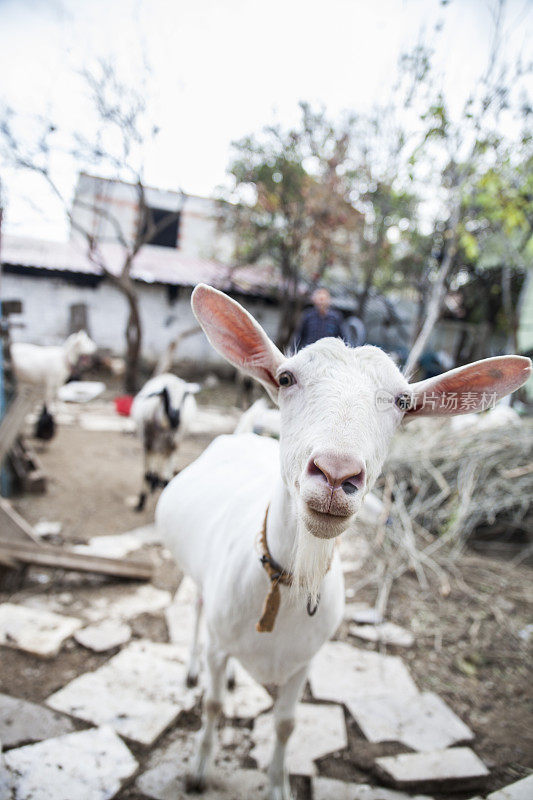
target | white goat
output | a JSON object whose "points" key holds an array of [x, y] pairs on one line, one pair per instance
{"points": [[162, 411], [265, 421], [49, 366], [260, 419], [340, 407]]}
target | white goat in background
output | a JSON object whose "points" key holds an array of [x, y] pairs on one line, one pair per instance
{"points": [[260, 419], [162, 411], [340, 407], [49, 366]]}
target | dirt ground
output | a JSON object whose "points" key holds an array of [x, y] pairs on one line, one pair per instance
{"points": [[467, 649]]}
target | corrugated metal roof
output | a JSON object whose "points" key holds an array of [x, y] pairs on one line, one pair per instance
{"points": [[152, 265]]}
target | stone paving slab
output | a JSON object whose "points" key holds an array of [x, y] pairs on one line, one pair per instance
{"points": [[455, 764], [109, 602], [248, 699], [144, 599], [45, 528], [113, 546], [167, 767], [6, 785], [340, 672], [88, 765], [104, 635], [319, 730], [331, 789], [385, 632], [521, 790], [423, 722], [35, 630], [22, 722], [120, 544], [145, 534], [139, 692]]}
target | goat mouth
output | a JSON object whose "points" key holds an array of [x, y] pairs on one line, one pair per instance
{"points": [[327, 514]]}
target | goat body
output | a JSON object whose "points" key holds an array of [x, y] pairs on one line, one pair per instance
{"points": [[261, 419], [48, 367], [217, 544], [339, 409]]}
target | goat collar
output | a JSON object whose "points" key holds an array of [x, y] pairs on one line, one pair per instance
{"points": [[276, 575]]}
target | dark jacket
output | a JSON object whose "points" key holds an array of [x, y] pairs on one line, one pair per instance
{"points": [[314, 326]]}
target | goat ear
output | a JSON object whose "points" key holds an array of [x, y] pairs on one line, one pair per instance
{"points": [[464, 390], [236, 335]]}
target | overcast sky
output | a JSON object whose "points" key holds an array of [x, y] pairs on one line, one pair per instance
{"points": [[222, 69]]}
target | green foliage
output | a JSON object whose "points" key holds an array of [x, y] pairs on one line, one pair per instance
{"points": [[291, 197], [498, 214], [410, 196]]}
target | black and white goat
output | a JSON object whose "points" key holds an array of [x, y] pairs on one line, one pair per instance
{"points": [[162, 411]]}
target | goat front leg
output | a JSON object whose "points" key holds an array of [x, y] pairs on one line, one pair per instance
{"points": [[173, 461], [150, 480], [284, 712], [212, 708]]}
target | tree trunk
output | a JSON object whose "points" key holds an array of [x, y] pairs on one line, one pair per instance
{"points": [[290, 304], [436, 295], [369, 280], [287, 321], [363, 300], [133, 342], [512, 313], [420, 309]]}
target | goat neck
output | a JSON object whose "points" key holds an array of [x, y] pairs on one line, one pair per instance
{"points": [[282, 525]]}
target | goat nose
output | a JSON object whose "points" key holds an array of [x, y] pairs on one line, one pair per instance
{"points": [[339, 470]]}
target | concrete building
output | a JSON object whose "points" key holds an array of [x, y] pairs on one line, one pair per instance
{"points": [[106, 207], [62, 290]]}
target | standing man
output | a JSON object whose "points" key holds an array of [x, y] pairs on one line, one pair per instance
{"points": [[319, 321]]}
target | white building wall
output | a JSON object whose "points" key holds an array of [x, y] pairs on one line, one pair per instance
{"points": [[46, 315], [199, 235]]}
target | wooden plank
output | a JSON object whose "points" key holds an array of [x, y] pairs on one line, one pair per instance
{"points": [[13, 527], [56, 557], [6, 561]]}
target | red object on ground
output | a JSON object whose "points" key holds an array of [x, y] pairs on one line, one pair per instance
{"points": [[123, 404]]}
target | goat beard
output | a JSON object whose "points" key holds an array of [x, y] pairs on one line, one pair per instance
{"points": [[311, 559]]}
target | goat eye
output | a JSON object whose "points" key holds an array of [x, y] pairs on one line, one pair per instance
{"points": [[404, 401], [286, 379]]}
